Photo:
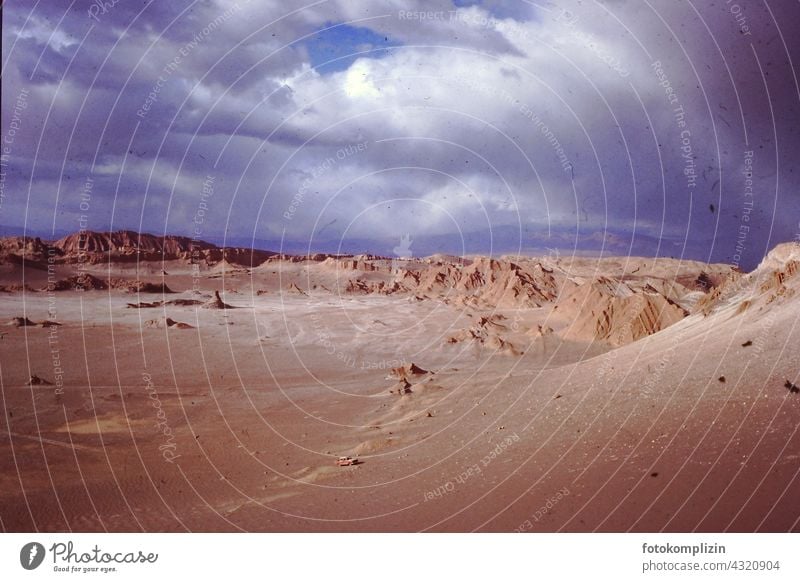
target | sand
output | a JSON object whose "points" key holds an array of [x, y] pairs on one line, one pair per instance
{"points": [[473, 392]]}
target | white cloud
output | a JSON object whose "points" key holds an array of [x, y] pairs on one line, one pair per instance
{"points": [[359, 81]]}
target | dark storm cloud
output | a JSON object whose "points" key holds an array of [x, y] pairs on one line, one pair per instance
{"points": [[473, 116]]}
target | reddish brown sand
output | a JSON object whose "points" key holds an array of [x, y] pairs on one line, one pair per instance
{"points": [[549, 395]]}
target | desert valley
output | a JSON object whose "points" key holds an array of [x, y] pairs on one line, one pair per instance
{"points": [[155, 383]]}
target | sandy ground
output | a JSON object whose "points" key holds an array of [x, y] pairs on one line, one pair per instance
{"points": [[234, 423]]}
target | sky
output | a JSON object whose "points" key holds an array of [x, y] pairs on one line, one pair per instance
{"points": [[645, 127]]}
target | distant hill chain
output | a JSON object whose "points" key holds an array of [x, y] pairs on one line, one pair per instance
{"points": [[612, 300]]}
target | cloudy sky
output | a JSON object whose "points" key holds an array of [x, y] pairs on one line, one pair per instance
{"points": [[664, 127]]}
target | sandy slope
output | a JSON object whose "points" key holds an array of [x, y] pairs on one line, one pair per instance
{"points": [[524, 416]]}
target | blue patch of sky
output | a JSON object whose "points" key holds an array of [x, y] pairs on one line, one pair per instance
{"points": [[336, 48]]}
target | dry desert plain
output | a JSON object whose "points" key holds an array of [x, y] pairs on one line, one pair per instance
{"points": [[159, 384]]}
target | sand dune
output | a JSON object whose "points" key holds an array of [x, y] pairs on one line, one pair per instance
{"points": [[611, 311], [773, 280]]}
